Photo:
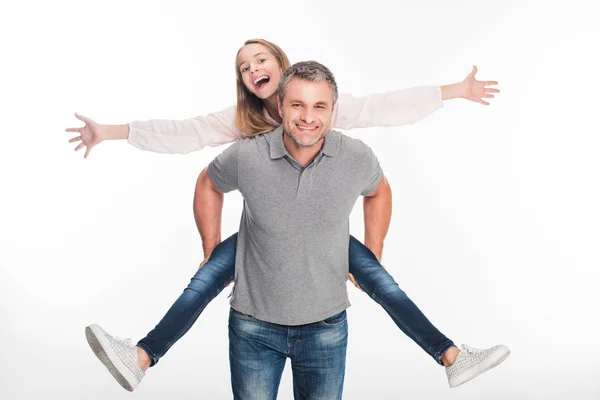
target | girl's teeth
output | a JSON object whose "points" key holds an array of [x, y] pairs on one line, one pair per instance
{"points": [[256, 81]]}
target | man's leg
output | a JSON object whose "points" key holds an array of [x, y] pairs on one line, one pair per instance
{"points": [[257, 354], [318, 355]]}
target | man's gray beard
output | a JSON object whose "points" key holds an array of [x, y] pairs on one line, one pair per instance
{"points": [[298, 144]]}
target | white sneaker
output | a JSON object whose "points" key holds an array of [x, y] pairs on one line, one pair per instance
{"points": [[118, 355], [470, 363]]}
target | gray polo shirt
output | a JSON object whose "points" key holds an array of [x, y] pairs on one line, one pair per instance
{"points": [[291, 265]]}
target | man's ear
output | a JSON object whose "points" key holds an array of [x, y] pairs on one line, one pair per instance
{"points": [[279, 107]]}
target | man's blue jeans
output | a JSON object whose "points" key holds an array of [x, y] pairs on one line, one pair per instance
{"points": [[214, 276], [258, 350]]}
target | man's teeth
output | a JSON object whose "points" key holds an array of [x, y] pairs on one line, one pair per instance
{"points": [[260, 79], [306, 127]]}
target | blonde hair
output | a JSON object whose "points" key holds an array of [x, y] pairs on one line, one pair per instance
{"points": [[250, 118]]}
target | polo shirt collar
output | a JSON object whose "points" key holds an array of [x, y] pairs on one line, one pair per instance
{"points": [[277, 148], [332, 143]]}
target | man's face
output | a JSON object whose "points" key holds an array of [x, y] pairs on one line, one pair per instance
{"points": [[306, 111]]}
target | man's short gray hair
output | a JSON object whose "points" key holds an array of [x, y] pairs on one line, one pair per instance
{"points": [[311, 71]]}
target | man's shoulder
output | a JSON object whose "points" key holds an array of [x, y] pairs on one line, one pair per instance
{"points": [[351, 145], [256, 147], [259, 139]]}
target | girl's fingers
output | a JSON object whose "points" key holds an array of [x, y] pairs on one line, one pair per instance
{"points": [[82, 118]]}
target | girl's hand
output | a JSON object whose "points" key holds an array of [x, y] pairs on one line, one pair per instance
{"points": [[89, 136], [475, 90]]}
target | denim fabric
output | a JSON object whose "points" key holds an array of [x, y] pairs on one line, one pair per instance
{"points": [[206, 284], [258, 350], [214, 276], [381, 287]]}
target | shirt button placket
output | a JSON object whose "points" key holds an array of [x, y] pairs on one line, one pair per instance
{"points": [[306, 178]]}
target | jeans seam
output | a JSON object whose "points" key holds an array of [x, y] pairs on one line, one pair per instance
{"points": [[440, 353], [299, 338]]}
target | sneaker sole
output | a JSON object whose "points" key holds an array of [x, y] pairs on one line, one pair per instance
{"points": [[103, 350], [475, 372]]}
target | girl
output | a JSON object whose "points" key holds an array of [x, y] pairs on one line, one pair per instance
{"points": [[259, 67]]}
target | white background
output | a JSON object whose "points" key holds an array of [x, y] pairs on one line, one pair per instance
{"points": [[495, 226]]}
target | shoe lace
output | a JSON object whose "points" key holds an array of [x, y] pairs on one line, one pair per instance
{"points": [[468, 350], [127, 341]]}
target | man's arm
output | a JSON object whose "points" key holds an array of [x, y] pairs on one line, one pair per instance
{"points": [[208, 207], [377, 208], [221, 176]]}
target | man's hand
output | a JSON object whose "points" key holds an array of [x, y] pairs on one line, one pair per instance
{"points": [[204, 261], [351, 277]]}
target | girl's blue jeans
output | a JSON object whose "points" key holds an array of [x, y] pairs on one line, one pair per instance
{"points": [[218, 271]]}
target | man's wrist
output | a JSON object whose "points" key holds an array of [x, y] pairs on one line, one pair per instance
{"points": [[209, 246], [375, 247]]}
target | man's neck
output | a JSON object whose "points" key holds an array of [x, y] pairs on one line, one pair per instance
{"points": [[303, 155]]}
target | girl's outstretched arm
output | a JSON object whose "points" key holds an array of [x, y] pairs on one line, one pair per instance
{"points": [[406, 106], [161, 135]]}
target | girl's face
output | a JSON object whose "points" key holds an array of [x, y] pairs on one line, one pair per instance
{"points": [[259, 69]]}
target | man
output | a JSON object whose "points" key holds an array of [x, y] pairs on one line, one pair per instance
{"points": [[299, 183]]}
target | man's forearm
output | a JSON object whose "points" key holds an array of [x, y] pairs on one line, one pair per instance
{"points": [[377, 212], [208, 207]]}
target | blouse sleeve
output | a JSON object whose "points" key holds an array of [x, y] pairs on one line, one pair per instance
{"points": [[399, 107], [187, 135]]}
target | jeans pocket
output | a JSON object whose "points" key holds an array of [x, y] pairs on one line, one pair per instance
{"points": [[335, 320], [241, 315]]}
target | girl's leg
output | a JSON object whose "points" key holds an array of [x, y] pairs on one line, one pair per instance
{"points": [[382, 288], [207, 283], [126, 362]]}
